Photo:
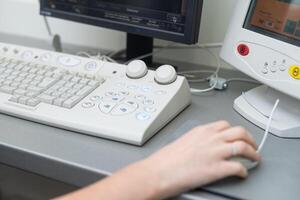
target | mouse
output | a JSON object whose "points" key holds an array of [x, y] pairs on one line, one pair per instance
{"points": [[248, 164]]}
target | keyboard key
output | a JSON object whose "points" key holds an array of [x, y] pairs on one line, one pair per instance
{"points": [[23, 86], [35, 83], [7, 89], [58, 102], [23, 100], [71, 102], [85, 91], [76, 79], [93, 83], [14, 98], [106, 107], [32, 94], [46, 98], [20, 92], [63, 89], [35, 89], [32, 102]]}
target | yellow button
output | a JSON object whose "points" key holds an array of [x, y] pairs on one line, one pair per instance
{"points": [[294, 71]]}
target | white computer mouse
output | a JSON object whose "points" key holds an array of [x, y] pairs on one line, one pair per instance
{"points": [[248, 164]]}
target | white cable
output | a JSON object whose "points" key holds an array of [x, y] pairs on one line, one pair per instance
{"points": [[216, 74], [99, 56], [196, 46], [150, 54], [242, 80], [48, 26], [268, 127]]}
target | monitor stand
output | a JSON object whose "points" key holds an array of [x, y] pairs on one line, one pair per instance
{"points": [[256, 105], [138, 45]]}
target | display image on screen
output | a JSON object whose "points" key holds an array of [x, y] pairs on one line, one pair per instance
{"points": [[173, 6], [280, 17]]}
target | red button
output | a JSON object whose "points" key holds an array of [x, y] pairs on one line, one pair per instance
{"points": [[243, 50]]}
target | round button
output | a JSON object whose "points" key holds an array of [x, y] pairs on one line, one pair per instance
{"points": [[95, 98], [45, 57], [165, 74], [140, 97], [294, 72], [68, 61], [265, 70], [273, 69], [148, 102], [146, 88], [243, 50], [16, 51], [88, 105], [91, 66], [123, 93], [150, 109], [5, 49], [27, 55], [143, 116], [112, 94], [282, 68], [136, 69]]}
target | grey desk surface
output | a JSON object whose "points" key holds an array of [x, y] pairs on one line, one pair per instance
{"points": [[80, 159]]}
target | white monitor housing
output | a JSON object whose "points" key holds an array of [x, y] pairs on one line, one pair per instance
{"points": [[263, 41]]}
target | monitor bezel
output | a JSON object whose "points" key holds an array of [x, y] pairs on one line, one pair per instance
{"points": [[247, 25], [190, 36]]}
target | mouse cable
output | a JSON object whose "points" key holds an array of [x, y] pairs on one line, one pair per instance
{"points": [[261, 145]]}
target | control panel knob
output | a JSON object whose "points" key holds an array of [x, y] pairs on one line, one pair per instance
{"points": [[136, 69], [165, 74]]}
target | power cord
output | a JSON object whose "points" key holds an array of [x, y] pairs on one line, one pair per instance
{"points": [[262, 143], [151, 54], [55, 39], [99, 56]]}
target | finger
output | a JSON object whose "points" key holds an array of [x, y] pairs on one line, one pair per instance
{"points": [[239, 148], [218, 126], [238, 134], [231, 168]]}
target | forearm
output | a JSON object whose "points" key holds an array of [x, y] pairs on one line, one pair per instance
{"points": [[136, 182]]}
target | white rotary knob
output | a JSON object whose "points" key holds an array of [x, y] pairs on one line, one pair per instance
{"points": [[136, 69], [165, 74]]}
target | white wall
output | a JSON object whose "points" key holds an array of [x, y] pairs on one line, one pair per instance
{"points": [[21, 17]]}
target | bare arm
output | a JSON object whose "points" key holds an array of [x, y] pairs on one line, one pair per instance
{"points": [[198, 158]]}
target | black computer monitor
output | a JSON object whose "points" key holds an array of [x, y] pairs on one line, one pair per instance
{"points": [[143, 20]]}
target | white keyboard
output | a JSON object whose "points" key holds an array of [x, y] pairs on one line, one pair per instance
{"points": [[114, 101]]}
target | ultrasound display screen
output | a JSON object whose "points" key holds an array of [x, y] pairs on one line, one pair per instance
{"points": [[276, 18], [176, 20], [171, 6]]}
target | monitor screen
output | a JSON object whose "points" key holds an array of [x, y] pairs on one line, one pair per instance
{"points": [[279, 19], [175, 20]]}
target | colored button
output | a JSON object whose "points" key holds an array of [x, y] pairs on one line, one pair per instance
{"points": [[146, 88], [123, 109], [294, 71], [143, 116], [243, 50], [91, 66]]}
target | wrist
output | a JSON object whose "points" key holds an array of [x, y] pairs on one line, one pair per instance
{"points": [[155, 178]]}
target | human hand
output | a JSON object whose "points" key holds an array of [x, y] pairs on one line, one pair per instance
{"points": [[201, 157]]}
